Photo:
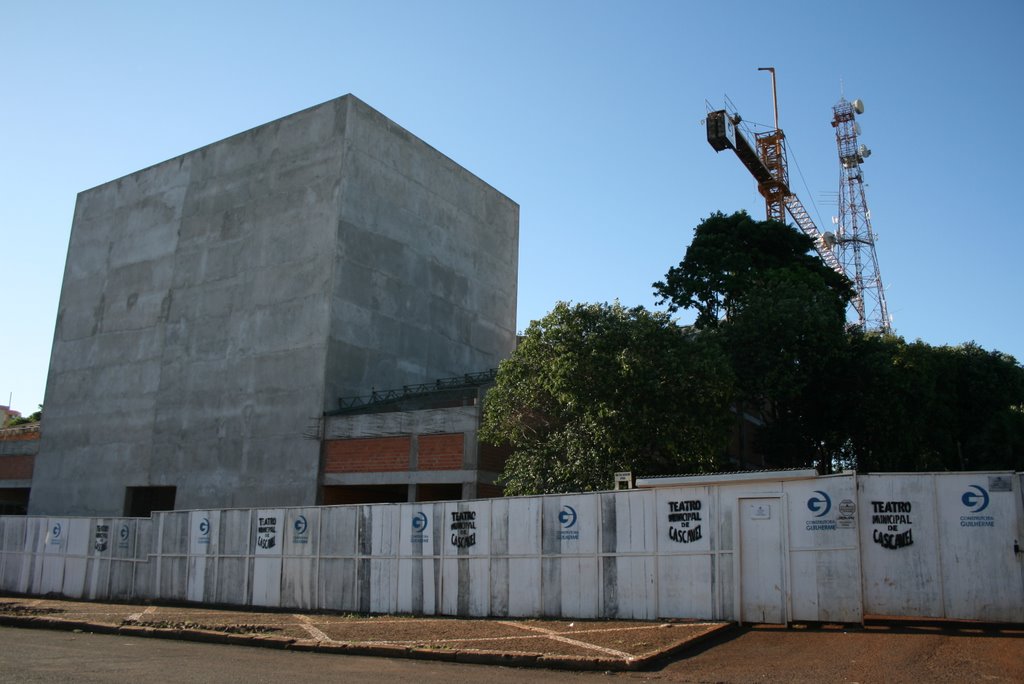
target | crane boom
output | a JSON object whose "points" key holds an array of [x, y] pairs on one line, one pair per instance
{"points": [[774, 187]]}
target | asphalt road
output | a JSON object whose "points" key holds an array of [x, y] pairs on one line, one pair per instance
{"points": [[904, 654]]}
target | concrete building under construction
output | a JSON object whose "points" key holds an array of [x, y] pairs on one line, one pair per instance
{"points": [[217, 305]]}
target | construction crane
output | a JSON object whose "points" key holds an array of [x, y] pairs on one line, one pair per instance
{"points": [[766, 162], [771, 176]]}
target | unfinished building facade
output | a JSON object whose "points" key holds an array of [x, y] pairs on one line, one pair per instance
{"points": [[216, 305]]}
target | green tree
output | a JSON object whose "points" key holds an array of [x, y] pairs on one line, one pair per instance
{"points": [[916, 407], [729, 258], [780, 313], [783, 344], [597, 388], [26, 420], [829, 396]]}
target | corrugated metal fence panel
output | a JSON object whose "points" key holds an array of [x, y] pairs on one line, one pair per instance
{"points": [[381, 529], [899, 545], [203, 550], [97, 565], [515, 576], [266, 563], [301, 546], [419, 562], [685, 563], [569, 586], [51, 573], [124, 538], [36, 537], [824, 557], [570, 570], [144, 580], [15, 552], [465, 564], [234, 557], [171, 582], [6, 553], [336, 573], [628, 527], [75, 557], [977, 516]]}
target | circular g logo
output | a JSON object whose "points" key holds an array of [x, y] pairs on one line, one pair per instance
{"points": [[977, 498], [567, 516], [55, 532], [124, 532], [300, 525], [419, 522], [204, 526], [820, 505]]}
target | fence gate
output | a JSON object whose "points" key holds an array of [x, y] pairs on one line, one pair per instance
{"points": [[762, 585]]}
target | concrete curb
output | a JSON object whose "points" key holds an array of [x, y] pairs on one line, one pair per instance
{"points": [[555, 662]]}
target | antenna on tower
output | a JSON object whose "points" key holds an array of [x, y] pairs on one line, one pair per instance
{"points": [[855, 239]]}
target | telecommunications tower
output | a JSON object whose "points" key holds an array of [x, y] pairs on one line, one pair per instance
{"points": [[854, 239]]}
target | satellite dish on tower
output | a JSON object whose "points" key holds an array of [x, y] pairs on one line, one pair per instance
{"points": [[858, 106], [864, 151], [856, 128]]}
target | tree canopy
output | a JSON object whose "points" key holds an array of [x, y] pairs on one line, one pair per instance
{"points": [[597, 388], [27, 420], [730, 258], [779, 315], [834, 397], [916, 407]]}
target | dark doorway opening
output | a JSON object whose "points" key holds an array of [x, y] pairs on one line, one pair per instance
{"points": [[439, 492], [14, 501], [140, 502], [335, 495]]}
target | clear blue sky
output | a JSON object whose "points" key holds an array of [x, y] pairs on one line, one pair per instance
{"points": [[588, 114]]}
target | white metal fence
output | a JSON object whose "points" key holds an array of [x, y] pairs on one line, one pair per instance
{"points": [[818, 549]]}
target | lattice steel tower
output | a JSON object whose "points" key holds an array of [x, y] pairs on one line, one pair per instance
{"points": [[854, 239]]}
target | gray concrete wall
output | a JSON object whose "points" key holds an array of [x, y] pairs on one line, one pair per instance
{"points": [[427, 264], [213, 305]]}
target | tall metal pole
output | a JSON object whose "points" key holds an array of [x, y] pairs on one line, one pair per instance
{"points": [[775, 96], [772, 151]]}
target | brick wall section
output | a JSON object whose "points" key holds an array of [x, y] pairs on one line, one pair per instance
{"points": [[371, 455], [441, 452], [16, 467]]}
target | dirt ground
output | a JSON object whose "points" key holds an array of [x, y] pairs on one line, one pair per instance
{"points": [[878, 653], [758, 655], [604, 643], [883, 651]]}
